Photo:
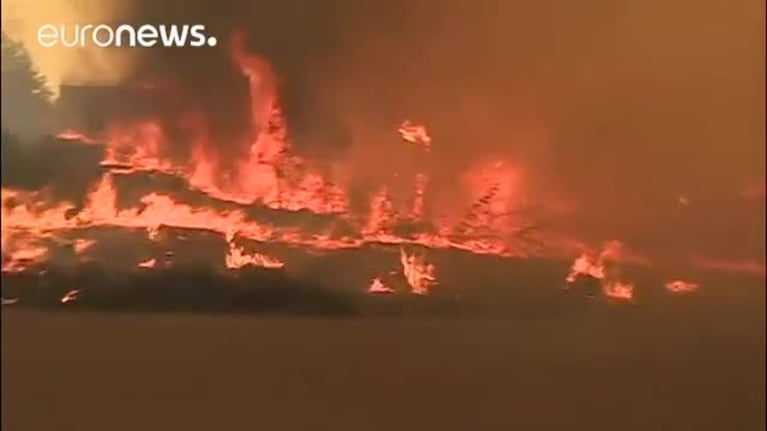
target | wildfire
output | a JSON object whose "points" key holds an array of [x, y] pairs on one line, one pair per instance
{"points": [[250, 198], [272, 177]]}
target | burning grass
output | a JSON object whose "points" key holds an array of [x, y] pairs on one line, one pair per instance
{"points": [[201, 228]]}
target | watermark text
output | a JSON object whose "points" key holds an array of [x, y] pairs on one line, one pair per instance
{"points": [[125, 35]]}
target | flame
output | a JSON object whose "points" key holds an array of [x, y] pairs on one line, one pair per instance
{"points": [[618, 290], [419, 275], [237, 258], [681, 286], [22, 253], [415, 134], [585, 265], [71, 296], [595, 265], [149, 263], [589, 264], [491, 217], [74, 135], [378, 287], [272, 177], [269, 175]]}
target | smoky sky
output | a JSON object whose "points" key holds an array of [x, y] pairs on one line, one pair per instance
{"points": [[609, 99]]}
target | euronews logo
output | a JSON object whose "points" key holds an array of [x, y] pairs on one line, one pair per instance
{"points": [[125, 35]]}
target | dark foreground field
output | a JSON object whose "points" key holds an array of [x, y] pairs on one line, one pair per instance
{"points": [[693, 365]]}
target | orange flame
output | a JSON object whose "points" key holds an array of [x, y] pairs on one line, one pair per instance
{"points": [[378, 287], [21, 254], [415, 134], [237, 258], [71, 296], [419, 275], [149, 263], [681, 286], [82, 245], [618, 290], [271, 176], [594, 266]]}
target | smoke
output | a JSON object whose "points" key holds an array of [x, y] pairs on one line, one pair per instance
{"points": [[617, 102], [619, 106], [61, 65]]}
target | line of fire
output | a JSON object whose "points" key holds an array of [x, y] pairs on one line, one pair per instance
{"points": [[161, 208]]}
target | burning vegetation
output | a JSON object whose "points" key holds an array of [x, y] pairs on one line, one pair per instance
{"points": [[269, 199]]}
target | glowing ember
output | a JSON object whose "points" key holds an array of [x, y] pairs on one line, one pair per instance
{"points": [[378, 287], [8, 301], [415, 134], [73, 135], [71, 296], [681, 286], [149, 263]]}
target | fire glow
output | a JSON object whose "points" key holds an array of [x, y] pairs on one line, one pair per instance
{"points": [[492, 221], [271, 176]]}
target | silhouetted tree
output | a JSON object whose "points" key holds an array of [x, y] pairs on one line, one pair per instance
{"points": [[26, 100]]}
